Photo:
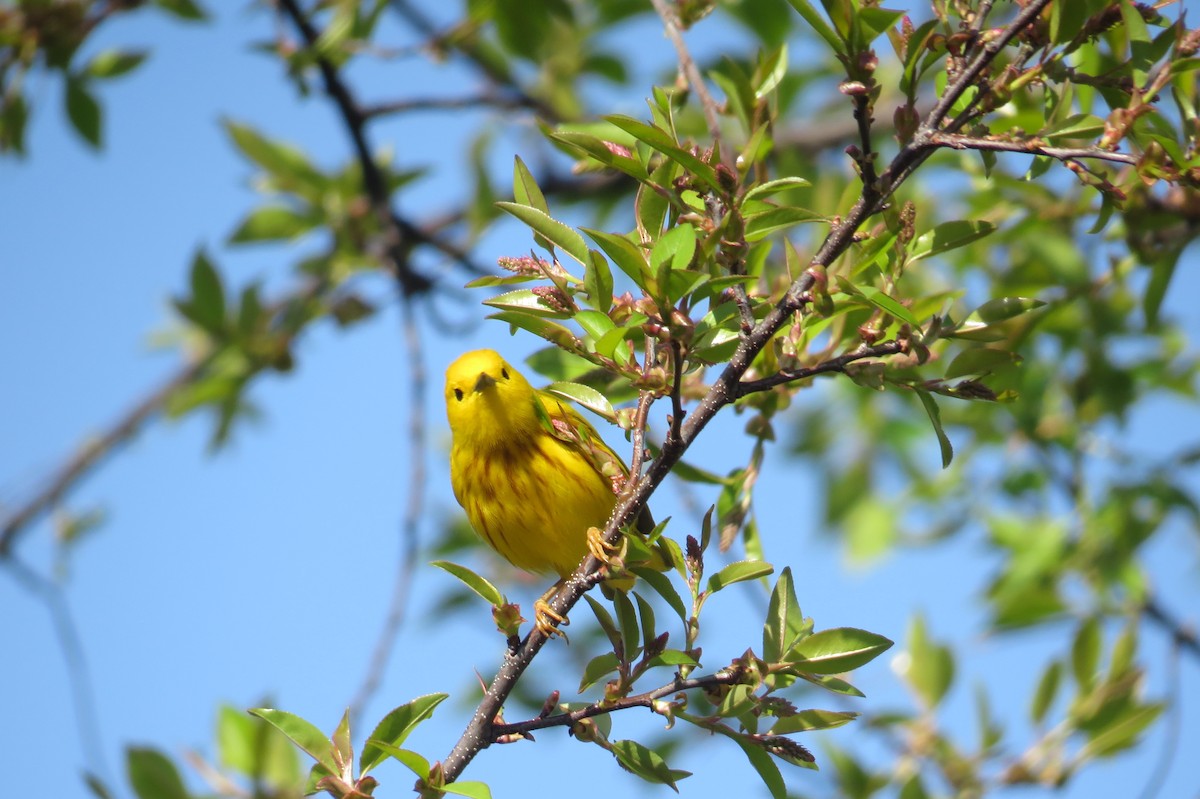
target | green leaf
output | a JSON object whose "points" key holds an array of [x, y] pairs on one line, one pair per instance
{"points": [[597, 668], [598, 281], [524, 301], [774, 187], [252, 748], [676, 248], [662, 586], [673, 657], [647, 764], [819, 25], [586, 396], [980, 361], [525, 188], [83, 110], [554, 231], [594, 323], [288, 165], [837, 650], [585, 145], [764, 764], [1122, 732], [1047, 689], [889, 305], [411, 760], [808, 720], [935, 418], [471, 789], [152, 775], [272, 223], [114, 63], [183, 9], [947, 236], [738, 572], [395, 727], [785, 622], [470, 579], [834, 684], [631, 634], [662, 141], [761, 225], [553, 332], [628, 257], [930, 669], [301, 732], [1085, 652], [1162, 269], [206, 306]]}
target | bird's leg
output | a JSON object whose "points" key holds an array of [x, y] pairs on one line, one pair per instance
{"points": [[545, 619]]}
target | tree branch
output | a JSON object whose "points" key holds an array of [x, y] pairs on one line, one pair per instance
{"points": [[724, 390], [837, 364], [397, 234], [727, 676]]}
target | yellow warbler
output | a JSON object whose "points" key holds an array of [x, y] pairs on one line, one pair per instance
{"points": [[532, 474]]}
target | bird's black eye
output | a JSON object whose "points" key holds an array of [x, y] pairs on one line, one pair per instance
{"points": [[504, 373], [458, 394]]}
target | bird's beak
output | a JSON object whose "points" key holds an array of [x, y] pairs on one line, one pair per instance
{"points": [[484, 381]]}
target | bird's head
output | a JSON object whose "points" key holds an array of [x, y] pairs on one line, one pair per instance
{"points": [[487, 400]]}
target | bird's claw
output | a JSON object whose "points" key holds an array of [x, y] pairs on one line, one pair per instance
{"points": [[546, 620], [611, 555]]}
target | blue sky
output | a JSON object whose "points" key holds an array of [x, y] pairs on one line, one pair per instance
{"points": [[265, 570]]}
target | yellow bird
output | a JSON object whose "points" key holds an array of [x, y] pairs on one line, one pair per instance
{"points": [[533, 476]]}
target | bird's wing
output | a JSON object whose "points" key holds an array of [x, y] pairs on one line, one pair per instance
{"points": [[568, 425]]}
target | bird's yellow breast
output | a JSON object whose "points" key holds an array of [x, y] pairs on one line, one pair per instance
{"points": [[532, 502]]}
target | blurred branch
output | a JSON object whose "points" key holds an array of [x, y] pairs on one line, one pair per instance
{"points": [[1181, 633], [414, 368], [91, 454], [83, 697], [456, 40], [486, 100], [1028, 147], [670, 19]]}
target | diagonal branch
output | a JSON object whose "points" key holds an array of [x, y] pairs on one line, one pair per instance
{"points": [[724, 390]]}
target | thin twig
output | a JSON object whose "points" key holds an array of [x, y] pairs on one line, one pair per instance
{"points": [[396, 244], [837, 364], [414, 369], [1029, 147], [83, 696], [471, 103], [1182, 634], [729, 676], [981, 61], [465, 45], [695, 79]]}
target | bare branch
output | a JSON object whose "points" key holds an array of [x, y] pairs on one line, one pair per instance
{"points": [[728, 676], [833, 365]]}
